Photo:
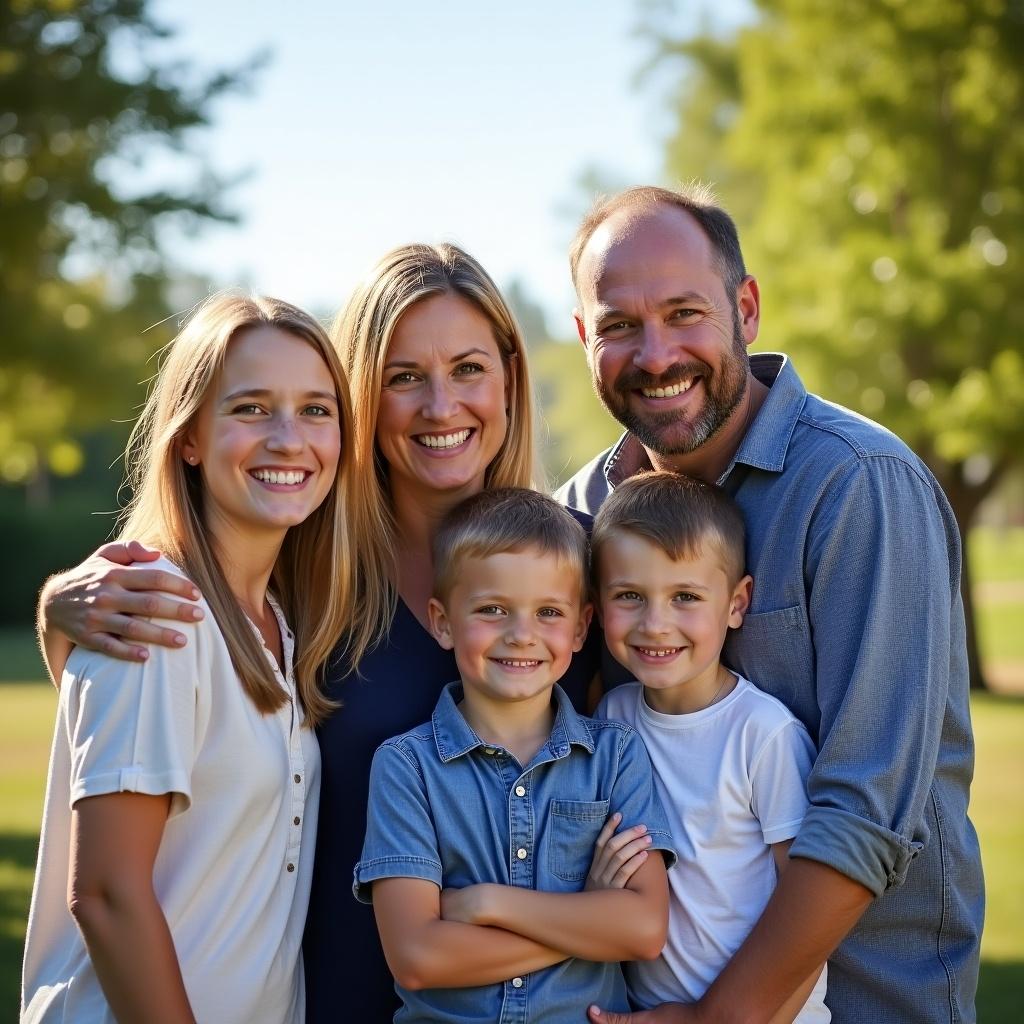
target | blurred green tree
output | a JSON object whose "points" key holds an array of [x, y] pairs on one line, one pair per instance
{"points": [[873, 155], [90, 94]]}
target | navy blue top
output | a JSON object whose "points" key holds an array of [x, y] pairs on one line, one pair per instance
{"points": [[399, 685]]}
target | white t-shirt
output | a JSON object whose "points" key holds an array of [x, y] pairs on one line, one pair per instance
{"points": [[732, 779], [235, 861]]}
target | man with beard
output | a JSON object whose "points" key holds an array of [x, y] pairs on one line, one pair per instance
{"points": [[856, 622]]}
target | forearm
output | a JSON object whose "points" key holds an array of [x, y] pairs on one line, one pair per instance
{"points": [[602, 925], [808, 915], [450, 954], [133, 954], [54, 646]]}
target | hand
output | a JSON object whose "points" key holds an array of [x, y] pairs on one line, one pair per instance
{"points": [[98, 603], [467, 905], [617, 857], [666, 1013]]}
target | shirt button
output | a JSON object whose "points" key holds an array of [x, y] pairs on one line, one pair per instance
{"points": [[490, 750], [517, 982], [291, 867], [521, 853], [520, 791], [298, 778], [296, 820]]}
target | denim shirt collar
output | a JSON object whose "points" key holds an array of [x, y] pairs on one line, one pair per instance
{"points": [[454, 737], [765, 443]]}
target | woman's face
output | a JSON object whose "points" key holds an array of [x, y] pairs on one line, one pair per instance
{"points": [[267, 437], [444, 395]]}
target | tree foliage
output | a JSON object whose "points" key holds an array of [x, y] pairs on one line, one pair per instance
{"points": [[873, 154], [90, 94]]}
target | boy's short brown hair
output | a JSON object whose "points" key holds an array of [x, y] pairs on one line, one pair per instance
{"points": [[677, 514], [504, 519]]}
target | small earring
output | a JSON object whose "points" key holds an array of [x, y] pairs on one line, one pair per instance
{"points": [[191, 460]]}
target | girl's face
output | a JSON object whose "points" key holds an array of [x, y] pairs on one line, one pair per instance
{"points": [[443, 409], [267, 437]]}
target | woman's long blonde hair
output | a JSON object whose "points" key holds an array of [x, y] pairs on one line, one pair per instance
{"points": [[363, 332], [313, 577]]}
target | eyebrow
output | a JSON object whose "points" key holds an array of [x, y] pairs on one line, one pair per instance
{"points": [[266, 392], [603, 312], [681, 585], [411, 364]]}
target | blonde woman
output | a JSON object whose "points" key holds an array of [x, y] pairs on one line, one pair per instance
{"points": [[442, 409], [181, 810]]}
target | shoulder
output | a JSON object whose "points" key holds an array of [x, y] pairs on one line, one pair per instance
{"points": [[409, 747], [766, 719], [620, 703], [587, 488]]}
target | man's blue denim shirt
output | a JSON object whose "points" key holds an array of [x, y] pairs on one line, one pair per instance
{"points": [[857, 626], [450, 809]]}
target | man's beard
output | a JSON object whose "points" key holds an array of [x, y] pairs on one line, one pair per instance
{"points": [[723, 391]]}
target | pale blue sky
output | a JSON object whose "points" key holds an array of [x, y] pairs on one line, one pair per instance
{"points": [[377, 124]]}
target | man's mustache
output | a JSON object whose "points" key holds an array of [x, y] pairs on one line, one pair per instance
{"points": [[631, 380]]}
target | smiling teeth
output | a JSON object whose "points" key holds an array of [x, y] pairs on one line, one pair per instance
{"points": [[516, 663], [669, 392], [272, 476], [444, 440], [661, 652]]}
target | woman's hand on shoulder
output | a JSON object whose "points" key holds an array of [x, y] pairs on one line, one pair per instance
{"points": [[103, 604]]}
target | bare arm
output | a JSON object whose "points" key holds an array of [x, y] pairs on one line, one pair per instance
{"points": [[424, 951], [604, 925], [115, 839], [98, 605]]}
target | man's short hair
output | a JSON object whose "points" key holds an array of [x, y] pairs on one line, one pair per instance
{"points": [[698, 200], [505, 519], [677, 514]]}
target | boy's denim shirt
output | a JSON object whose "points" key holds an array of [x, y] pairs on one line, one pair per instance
{"points": [[448, 808]]}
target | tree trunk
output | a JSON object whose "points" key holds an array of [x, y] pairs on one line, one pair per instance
{"points": [[965, 499]]}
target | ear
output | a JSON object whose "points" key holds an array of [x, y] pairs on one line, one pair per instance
{"points": [[740, 601], [189, 449], [748, 305], [581, 328], [580, 633], [440, 625]]}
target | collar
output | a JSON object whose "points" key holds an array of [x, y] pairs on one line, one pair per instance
{"points": [[454, 737], [767, 439]]}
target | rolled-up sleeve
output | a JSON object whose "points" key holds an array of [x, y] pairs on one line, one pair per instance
{"points": [[401, 838], [882, 573]]}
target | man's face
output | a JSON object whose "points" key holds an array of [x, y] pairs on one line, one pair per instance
{"points": [[665, 342]]}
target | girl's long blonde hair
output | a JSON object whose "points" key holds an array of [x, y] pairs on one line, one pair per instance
{"points": [[313, 577], [363, 332]]}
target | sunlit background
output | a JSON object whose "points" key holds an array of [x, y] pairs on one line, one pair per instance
{"points": [[872, 152]]}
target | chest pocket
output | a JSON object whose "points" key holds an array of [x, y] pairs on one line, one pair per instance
{"points": [[574, 826]]}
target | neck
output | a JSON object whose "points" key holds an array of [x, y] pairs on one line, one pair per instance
{"points": [[247, 562], [710, 460], [522, 728]]}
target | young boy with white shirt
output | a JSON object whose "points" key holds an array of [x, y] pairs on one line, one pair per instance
{"points": [[730, 761]]}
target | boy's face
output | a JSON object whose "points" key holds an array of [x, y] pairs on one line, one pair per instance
{"points": [[514, 620], [666, 620]]}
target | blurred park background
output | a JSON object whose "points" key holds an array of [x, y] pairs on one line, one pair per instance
{"points": [[872, 152]]}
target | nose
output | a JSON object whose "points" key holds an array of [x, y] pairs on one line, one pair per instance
{"points": [[519, 631], [439, 401], [654, 621], [656, 352], [285, 436]]}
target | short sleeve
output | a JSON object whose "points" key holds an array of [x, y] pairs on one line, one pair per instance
{"points": [[131, 726], [779, 782], [401, 837], [634, 796]]}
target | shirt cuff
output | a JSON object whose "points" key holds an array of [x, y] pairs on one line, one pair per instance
{"points": [[868, 853], [369, 871]]}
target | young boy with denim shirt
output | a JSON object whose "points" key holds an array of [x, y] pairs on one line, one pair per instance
{"points": [[730, 761], [482, 822]]}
